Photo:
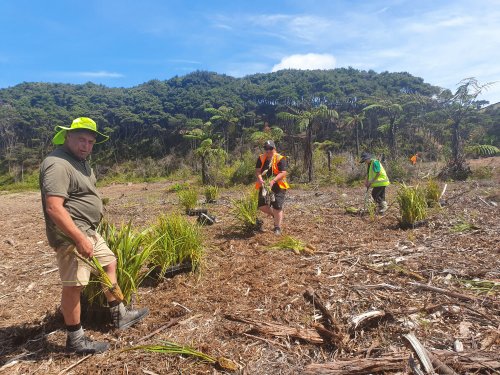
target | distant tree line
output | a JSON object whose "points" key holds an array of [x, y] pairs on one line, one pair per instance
{"points": [[395, 114]]}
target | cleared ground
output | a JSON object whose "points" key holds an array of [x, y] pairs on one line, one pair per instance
{"points": [[361, 264]]}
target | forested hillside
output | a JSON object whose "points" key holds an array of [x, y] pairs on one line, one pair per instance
{"points": [[339, 110]]}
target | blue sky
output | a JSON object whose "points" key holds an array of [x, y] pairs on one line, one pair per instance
{"points": [[122, 43]]}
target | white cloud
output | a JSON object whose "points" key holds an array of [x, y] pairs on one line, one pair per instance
{"points": [[305, 28], [308, 61], [99, 74]]}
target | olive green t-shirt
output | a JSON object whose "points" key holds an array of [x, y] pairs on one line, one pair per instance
{"points": [[62, 175]]}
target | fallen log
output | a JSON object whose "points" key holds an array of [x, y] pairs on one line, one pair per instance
{"points": [[332, 331], [461, 362], [329, 321], [279, 330], [358, 366]]}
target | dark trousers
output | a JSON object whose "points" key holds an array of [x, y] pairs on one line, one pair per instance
{"points": [[378, 194]]}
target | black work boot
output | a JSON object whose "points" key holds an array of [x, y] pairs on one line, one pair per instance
{"points": [[277, 231], [77, 342], [123, 318]]}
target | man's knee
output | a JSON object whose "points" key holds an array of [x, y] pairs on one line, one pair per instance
{"points": [[110, 267]]}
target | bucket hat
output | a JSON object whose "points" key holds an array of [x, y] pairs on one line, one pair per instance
{"points": [[79, 123]]}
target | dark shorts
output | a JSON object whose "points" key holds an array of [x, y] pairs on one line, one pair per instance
{"points": [[378, 194], [279, 199]]}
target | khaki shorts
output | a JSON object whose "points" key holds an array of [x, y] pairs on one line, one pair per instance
{"points": [[74, 271]]}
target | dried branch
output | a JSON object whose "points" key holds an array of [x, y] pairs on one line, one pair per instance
{"points": [[274, 329]]}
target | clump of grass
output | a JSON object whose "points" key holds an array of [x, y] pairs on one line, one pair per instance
{"points": [[432, 193], [463, 226], [211, 193], [246, 211], [131, 257], [188, 198], [178, 187], [412, 205], [296, 245], [174, 240], [483, 173], [482, 286], [168, 347]]}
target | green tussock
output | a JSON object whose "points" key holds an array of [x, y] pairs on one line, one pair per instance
{"points": [[188, 198], [412, 205], [246, 210], [432, 193], [211, 193], [174, 240]]}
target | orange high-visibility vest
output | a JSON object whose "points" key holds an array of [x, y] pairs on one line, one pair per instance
{"points": [[276, 159]]}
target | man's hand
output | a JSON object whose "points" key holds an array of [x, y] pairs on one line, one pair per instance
{"points": [[261, 181], [85, 248], [272, 183]]}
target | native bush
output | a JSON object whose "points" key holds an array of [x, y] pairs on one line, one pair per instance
{"points": [[412, 205], [244, 169], [397, 170], [174, 240]]}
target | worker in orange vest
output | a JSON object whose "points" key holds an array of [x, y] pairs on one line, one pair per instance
{"points": [[272, 167], [413, 159]]}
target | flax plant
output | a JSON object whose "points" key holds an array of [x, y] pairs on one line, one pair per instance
{"points": [[168, 347], [175, 240], [102, 277], [294, 244], [132, 257]]}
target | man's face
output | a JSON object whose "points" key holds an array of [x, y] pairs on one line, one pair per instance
{"points": [[269, 151], [80, 143]]}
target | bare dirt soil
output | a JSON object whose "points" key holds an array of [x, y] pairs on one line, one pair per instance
{"points": [[361, 264]]}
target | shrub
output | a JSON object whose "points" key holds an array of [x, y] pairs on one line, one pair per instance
{"points": [[397, 171], [244, 169], [174, 240], [10, 182], [412, 205], [211, 193], [188, 198]]}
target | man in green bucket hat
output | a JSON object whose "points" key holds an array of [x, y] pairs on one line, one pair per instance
{"points": [[72, 207]]}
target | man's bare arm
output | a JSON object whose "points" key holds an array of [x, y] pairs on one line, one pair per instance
{"points": [[54, 206]]}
